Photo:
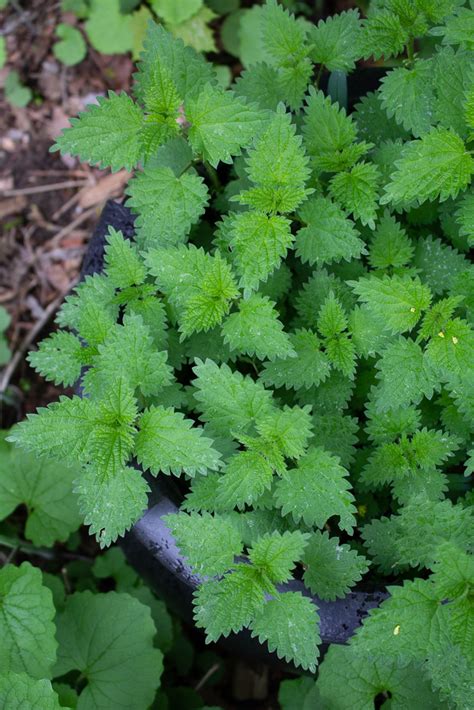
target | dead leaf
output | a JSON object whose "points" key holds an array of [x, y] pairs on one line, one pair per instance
{"points": [[12, 205], [107, 187]]}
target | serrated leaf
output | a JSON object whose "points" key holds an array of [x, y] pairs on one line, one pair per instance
{"points": [[408, 96], [328, 236], [59, 358], [406, 376], [276, 554], [350, 679], [46, 490], [398, 300], [335, 41], [221, 124], [27, 641], [259, 242], [229, 400], [111, 505], [247, 476], [289, 429], [331, 569], [278, 168], [458, 28], [109, 637], [230, 603], [437, 165], [167, 206], [383, 35], [465, 217], [337, 434], [168, 443], [259, 84], [256, 330], [357, 191], [317, 490], [453, 76], [106, 134], [289, 625], [309, 367], [129, 354], [209, 543], [452, 349], [390, 245], [437, 263], [123, 265]]}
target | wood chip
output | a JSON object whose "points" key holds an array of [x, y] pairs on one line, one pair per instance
{"points": [[107, 187]]}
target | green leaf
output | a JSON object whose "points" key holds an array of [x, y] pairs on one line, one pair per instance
{"points": [[175, 13], [309, 367], [98, 432], [111, 505], [106, 134], [283, 36], [331, 569], [229, 604], [108, 30], [247, 476], [229, 400], [289, 429], [390, 245], [398, 300], [327, 131], [452, 349], [59, 358], [91, 310], [383, 35], [351, 679], [259, 242], [335, 41], [458, 28], [169, 443], [314, 292], [465, 217], [196, 32], [368, 332], [259, 84], [279, 184], [27, 642], [317, 490], [406, 376], [332, 319], [437, 165], [276, 554], [167, 57], [452, 78], [199, 285], [109, 638], [71, 48], [221, 124], [256, 330], [438, 264], [453, 572], [167, 206], [408, 96], [329, 236], [208, 543], [129, 354], [289, 625], [15, 92], [337, 434], [46, 490], [357, 191], [18, 690], [123, 265]]}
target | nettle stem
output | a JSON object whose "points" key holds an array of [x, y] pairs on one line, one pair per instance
{"points": [[411, 50]]}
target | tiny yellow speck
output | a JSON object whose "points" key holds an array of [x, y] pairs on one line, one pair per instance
{"points": [[441, 334], [396, 630], [455, 340], [413, 309]]}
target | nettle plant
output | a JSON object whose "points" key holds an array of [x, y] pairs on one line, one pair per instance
{"points": [[291, 334]]}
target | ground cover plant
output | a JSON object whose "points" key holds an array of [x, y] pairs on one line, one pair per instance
{"points": [[290, 334]]}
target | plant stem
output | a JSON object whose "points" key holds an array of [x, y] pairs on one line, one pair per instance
{"points": [[319, 75], [212, 174], [411, 49]]}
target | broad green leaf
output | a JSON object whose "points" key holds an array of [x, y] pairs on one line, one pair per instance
{"points": [[111, 505], [123, 265], [167, 206], [289, 625], [289, 429], [309, 367], [221, 124], [174, 13], [209, 543], [106, 134], [247, 476], [108, 30], [329, 235], [390, 245], [408, 96], [335, 41], [383, 35], [317, 490], [437, 165], [256, 330], [168, 443], [276, 554], [19, 690], [109, 638], [59, 358], [27, 642], [357, 191], [71, 48], [331, 569], [45, 487]]}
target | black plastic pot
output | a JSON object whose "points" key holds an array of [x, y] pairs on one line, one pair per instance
{"points": [[151, 549]]}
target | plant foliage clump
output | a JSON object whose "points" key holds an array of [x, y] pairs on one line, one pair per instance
{"points": [[291, 334]]}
